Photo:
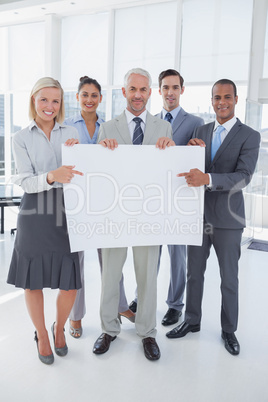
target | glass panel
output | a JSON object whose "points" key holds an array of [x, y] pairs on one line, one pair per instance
{"points": [[19, 111], [216, 39], [255, 193], [118, 102], [2, 135], [261, 183], [27, 55], [133, 46], [84, 48], [2, 59], [19, 108], [72, 106], [265, 64]]}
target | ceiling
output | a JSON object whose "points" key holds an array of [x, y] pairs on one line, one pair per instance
{"points": [[19, 11]]}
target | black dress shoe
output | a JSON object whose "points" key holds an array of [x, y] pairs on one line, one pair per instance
{"points": [[182, 330], [102, 344], [171, 317], [133, 306], [151, 349], [231, 343]]}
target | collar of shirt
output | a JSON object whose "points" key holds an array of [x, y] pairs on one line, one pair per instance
{"points": [[33, 124], [174, 113], [79, 117], [228, 125], [131, 124]]}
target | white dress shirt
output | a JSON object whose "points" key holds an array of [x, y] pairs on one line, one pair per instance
{"points": [[35, 155], [132, 124]]}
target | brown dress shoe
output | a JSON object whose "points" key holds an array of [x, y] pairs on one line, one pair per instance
{"points": [[102, 344], [151, 349]]}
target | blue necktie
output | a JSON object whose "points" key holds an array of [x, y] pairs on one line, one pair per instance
{"points": [[168, 117], [216, 142], [138, 133]]}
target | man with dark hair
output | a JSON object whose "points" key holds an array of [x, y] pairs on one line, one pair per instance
{"points": [[231, 154], [169, 73], [183, 125]]}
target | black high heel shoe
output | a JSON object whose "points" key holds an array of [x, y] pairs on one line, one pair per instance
{"points": [[59, 351], [44, 359]]}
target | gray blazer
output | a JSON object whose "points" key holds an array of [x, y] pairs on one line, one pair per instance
{"points": [[183, 126], [231, 170], [118, 129]]}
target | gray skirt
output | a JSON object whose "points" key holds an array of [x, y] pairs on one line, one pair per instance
{"points": [[41, 257]]}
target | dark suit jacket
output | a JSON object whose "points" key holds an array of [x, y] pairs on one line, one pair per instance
{"points": [[231, 170], [183, 126]]}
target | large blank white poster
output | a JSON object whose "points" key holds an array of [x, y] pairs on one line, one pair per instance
{"points": [[132, 197]]}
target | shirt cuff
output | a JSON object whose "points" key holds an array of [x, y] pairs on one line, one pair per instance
{"points": [[209, 186]]}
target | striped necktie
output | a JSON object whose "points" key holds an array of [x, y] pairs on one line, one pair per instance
{"points": [[138, 133], [216, 142]]}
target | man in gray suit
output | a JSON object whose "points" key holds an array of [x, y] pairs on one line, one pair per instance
{"points": [[231, 154], [183, 125], [134, 126]]}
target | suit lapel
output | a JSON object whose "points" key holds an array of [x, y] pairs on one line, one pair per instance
{"points": [[179, 119], [122, 128], [151, 124], [230, 136]]}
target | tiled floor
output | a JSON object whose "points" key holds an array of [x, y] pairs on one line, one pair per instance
{"points": [[195, 368]]}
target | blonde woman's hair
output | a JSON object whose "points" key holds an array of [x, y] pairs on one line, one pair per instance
{"points": [[46, 82]]}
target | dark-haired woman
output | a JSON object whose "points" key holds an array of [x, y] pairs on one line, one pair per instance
{"points": [[87, 122]]}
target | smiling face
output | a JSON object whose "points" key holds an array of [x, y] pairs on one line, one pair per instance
{"points": [[137, 93], [47, 104], [89, 98], [171, 91], [223, 102]]}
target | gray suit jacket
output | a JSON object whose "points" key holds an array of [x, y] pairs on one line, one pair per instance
{"points": [[183, 126], [118, 129], [231, 170]]}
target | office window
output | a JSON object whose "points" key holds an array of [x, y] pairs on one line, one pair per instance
{"points": [[27, 55], [2, 58], [265, 65], [144, 37], [2, 134], [216, 39], [84, 49], [118, 103]]}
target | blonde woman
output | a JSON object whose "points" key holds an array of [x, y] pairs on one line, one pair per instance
{"points": [[41, 256]]}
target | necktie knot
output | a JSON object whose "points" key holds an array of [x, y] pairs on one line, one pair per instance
{"points": [[138, 133], [168, 117], [137, 120], [216, 141]]}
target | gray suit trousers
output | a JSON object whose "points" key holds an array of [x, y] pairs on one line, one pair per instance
{"points": [[177, 254], [79, 308], [177, 282], [145, 265], [227, 244]]}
